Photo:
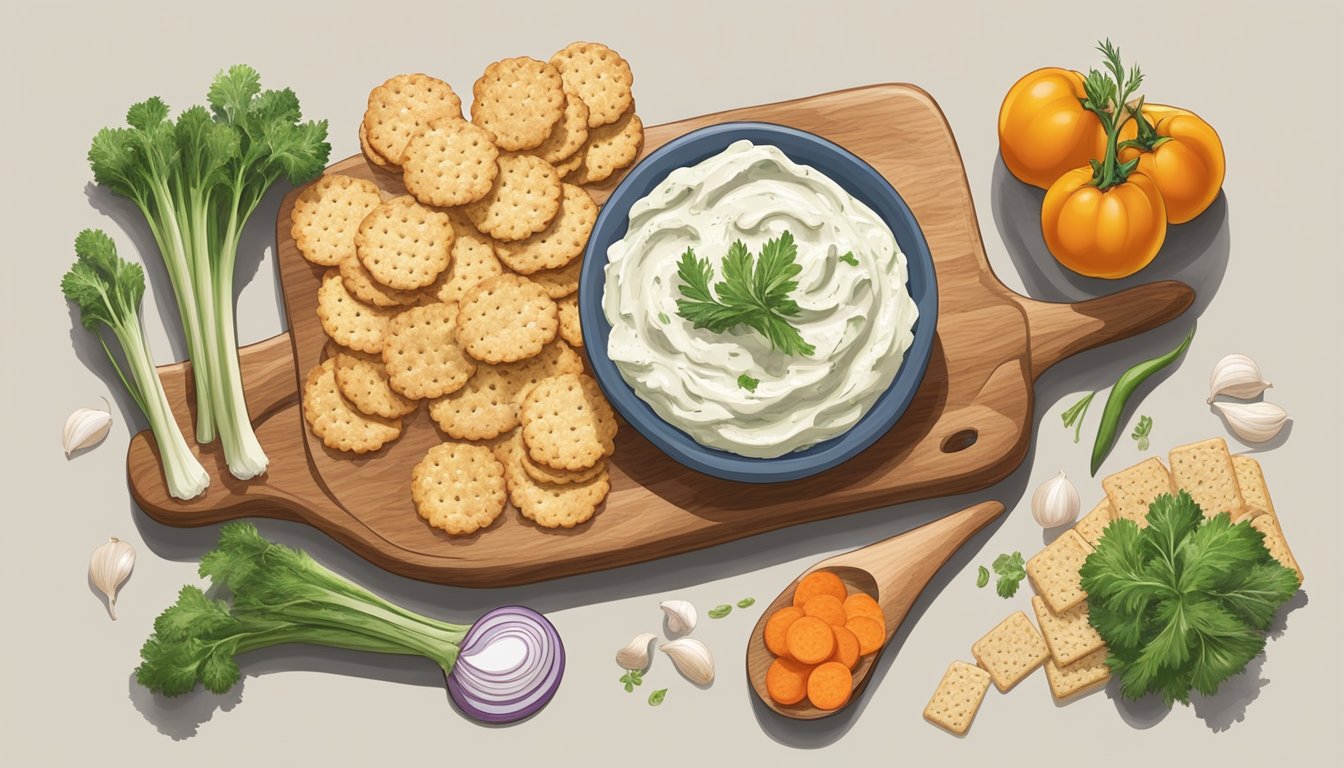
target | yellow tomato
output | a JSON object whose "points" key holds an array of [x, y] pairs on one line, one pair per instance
{"points": [[1187, 161], [1109, 233], [1044, 132]]}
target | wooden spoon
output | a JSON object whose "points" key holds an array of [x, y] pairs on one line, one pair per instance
{"points": [[894, 572]]}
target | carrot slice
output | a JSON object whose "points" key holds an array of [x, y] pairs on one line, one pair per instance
{"points": [[776, 627], [871, 634], [846, 648], [829, 686], [818, 583], [786, 680], [827, 608], [810, 640], [860, 604]]}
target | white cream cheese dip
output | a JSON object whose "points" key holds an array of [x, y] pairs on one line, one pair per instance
{"points": [[858, 316]]}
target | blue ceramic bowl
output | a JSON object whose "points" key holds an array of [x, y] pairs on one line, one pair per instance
{"points": [[858, 179]]}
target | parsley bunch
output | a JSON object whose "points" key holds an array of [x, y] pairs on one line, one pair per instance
{"points": [[1184, 603], [754, 292]]}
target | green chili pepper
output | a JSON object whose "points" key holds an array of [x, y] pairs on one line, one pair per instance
{"points": [[1109, 430]]}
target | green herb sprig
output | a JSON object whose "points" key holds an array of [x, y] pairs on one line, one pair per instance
{"points": [[1183, 604], [631, 678], [1074, 416], [1142, 431], [754, 292], [1011, 570]]}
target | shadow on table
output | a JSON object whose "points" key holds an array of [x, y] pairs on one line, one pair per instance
{"points": [[1195, 253], [1223, 709], [180, 717]]}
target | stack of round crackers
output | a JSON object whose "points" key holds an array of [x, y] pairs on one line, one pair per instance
{"points": [[462, 292]]}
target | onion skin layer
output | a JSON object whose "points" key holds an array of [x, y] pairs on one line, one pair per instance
{"points": [[541, 672]]}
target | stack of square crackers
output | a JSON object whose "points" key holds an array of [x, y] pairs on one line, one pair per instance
{"points": [[1072, 651], [462, 292]]}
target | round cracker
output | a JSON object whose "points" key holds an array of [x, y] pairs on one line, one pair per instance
{"points": [[335, 421], [519, 101], [405, 245], [421, 352], [546, 504], [609, 149], [347, 320], [369, 152], [487, 405], [362, 286], [450, 162], [524, 198], [543, 474], [327, 214], [401, 106], [599, 76], [560, 242], [569, 165], [506, 319], [568, 309], [458, 487], [362, 380], [568, 135], [567, 422], [473, 262], [558, 283]]}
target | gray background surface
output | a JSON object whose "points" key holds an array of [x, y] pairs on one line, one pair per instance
{"points": [[1265, 260]]}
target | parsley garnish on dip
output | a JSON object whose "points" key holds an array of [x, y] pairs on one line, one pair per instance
{"points": [[854, 310]]}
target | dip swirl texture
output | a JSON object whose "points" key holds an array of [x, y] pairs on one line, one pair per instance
{"points": [[859, 318]]}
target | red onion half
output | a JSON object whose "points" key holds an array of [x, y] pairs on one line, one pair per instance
{"points": [[509, 667]]}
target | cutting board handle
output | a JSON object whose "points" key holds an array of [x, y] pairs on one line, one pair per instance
{"points": [[1060, 330]]}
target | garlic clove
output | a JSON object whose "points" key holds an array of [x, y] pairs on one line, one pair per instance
{"points": [[635, 654], [692, 659], [1253, 422], [681, 616], [1236, 376], [109, 567], [84, 428], [1055, 502]]}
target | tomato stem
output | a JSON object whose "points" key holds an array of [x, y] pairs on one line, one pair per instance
{"points": [[1107, 97], [1148, 138]]}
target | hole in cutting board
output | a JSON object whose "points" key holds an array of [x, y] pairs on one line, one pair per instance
{"points": [[960, 441]]}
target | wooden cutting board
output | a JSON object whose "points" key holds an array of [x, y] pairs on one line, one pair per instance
{"points": [[967, 428]]}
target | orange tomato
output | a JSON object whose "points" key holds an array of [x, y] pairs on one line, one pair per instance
{"points": [[1108, 233], [1187, 163], [1044, 132]]}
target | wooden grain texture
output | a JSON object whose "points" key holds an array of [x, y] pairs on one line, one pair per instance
{"points": [[893, 572], [967, 427]]}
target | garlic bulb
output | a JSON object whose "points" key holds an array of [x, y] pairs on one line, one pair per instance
{"points": [[84, 428], [635, 655], [680, 616], [1236, 376], [1253, 422], [692, 659], [1055, 502], [109, 566]]}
